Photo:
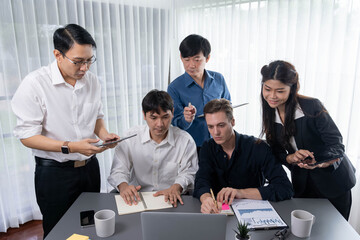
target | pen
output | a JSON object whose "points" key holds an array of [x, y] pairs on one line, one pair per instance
{"points": [[239, 105], [213, 197], [192, 110], [266, 227]]}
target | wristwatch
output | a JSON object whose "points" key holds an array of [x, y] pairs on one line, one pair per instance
{"points": [[65, 148]]}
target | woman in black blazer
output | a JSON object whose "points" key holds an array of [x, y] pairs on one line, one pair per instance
{"points": [[303, 136]]}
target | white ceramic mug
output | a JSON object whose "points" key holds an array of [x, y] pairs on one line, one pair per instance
{"points": [[301, 223], [105, 223]]}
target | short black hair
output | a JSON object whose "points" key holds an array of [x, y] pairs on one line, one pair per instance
{"points": [[193, 44], [156, 99], [65, 37]]}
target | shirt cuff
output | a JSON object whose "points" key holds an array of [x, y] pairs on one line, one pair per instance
{"points": [[182, 184], [186, 125], [22, 133], [115, 180], [265, 193], [199, 192]]}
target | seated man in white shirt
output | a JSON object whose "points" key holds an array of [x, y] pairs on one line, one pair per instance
{"points": [[160, 157]]}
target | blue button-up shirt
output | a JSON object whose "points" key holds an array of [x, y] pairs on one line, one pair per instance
{"points": [[184, 90]]}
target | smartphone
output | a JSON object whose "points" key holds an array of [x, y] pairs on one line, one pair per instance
{"points": [[87, 218], [319, 162], [323, 160]]}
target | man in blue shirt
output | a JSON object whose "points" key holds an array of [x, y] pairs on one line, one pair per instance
{"points": [[197, 86], [236, 165]]}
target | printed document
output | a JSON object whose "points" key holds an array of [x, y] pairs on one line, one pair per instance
{"points": [[259, 214]]}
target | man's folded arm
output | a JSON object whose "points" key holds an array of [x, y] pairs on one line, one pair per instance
{"points": [[279, 187]]}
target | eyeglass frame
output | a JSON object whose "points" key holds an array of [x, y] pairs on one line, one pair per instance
{"points": [[281, 234], [79, 63]]}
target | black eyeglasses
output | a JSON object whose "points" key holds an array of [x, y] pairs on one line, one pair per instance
{"points": [[281, 234], [80, 63]]}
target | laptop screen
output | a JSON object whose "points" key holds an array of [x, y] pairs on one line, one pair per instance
{"points": [[180, 226]]}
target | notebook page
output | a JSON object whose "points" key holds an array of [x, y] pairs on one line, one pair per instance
{"points": [[123, 208], [153, 203]]}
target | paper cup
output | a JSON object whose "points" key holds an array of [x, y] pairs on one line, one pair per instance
{"points": [[301, 223], [105, 223]]}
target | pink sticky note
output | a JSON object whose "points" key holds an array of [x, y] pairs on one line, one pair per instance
{"points": [[225, 207]]}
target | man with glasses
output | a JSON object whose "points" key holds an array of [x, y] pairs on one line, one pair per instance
{"points": [[59, 114]]}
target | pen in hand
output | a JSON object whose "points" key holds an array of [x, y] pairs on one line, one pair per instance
{"points": [[190, 106], [213, 197]]}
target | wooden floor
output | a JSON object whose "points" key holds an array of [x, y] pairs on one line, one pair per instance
{"points": [[29, 231]]}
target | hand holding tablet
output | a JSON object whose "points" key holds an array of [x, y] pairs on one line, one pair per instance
{"points": [[104, 144]]}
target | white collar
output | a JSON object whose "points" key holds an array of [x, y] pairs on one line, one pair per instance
{"points": [[57, 78], [170, 138], [298, 114]]}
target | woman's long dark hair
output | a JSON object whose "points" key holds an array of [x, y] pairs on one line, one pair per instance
{"points": [[284, 72]]}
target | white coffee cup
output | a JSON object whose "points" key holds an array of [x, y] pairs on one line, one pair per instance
{"points": [[105, 223], [301, 223]]}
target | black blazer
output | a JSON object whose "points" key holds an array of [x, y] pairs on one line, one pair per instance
{"points": [[317, 132]]}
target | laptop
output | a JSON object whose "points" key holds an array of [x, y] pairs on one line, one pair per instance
{"points": [[180, 226]]}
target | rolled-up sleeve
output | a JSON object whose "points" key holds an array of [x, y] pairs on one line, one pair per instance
{"points": [[29, 110], [121, 166], [100, 112], [188, 166]]}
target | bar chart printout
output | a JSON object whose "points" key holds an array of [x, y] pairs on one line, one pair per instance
{"points": [[259, 214]]}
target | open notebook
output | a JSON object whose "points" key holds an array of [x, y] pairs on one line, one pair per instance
{"points": [[148, 202]]}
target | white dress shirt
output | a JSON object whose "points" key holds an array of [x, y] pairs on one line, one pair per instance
{"points": [[142, 161], [45, 104], [298, 114]]}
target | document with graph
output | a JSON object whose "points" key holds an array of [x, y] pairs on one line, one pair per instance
{"points": [[259, 214]]}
